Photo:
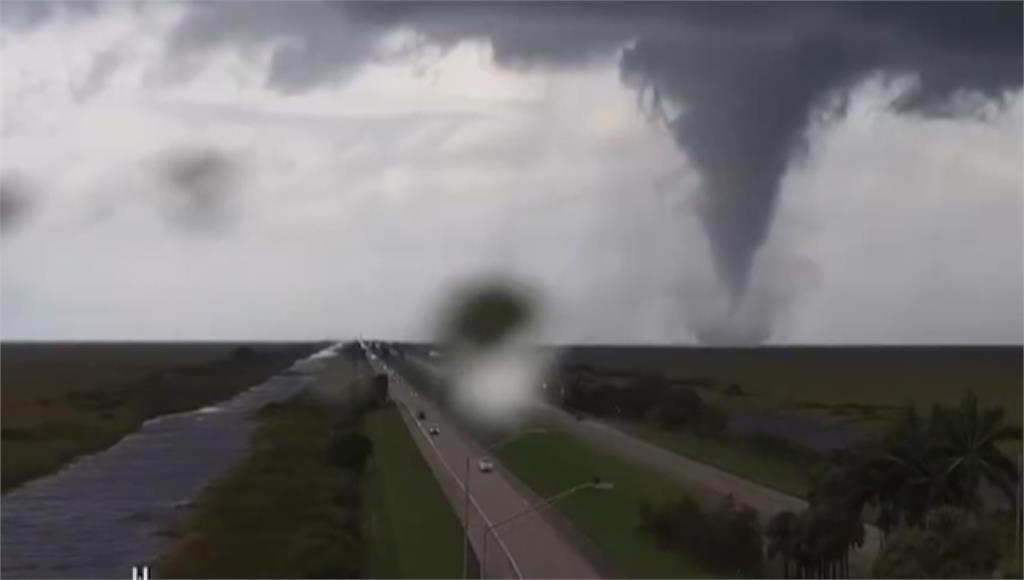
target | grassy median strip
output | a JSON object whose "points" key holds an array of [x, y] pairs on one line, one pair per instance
{"points": [[411, 530], [555, 461], [784, 474], [285, 512]]}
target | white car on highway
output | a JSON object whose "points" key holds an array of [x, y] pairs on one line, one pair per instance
{"points": [[486, 465]]}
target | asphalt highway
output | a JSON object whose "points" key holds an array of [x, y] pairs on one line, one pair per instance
{"points": [[527, 547]]}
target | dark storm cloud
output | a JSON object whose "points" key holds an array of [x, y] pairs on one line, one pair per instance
{"points": [[29, 13], [747, 77], [313, 42], [747, 98]]}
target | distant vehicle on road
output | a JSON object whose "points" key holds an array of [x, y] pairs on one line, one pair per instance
{"points": [[421, 415], [486, 465], [434, 431]]}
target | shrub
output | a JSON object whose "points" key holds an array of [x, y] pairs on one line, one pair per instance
{"points": [[333, 552], [349, 450], [676, 406], [380, 390], [642, 394], [682, 407], [955, 544], [726, 539], [737, 533]]}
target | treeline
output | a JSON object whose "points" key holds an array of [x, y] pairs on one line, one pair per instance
{"points": [[672, 406], [725, 539], [924, 481], [647, 396]]}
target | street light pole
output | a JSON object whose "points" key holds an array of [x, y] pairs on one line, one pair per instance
{"points": [[466, 495], [1020, 508], [595, 484], [465, 528]]}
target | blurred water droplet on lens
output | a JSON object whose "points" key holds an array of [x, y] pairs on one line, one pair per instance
{"points": [[487, 315], [497, 366], [16, 202], [201, 183]]}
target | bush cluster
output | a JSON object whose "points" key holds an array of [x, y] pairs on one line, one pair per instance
{"points": [[674, 406], [726, 539]]}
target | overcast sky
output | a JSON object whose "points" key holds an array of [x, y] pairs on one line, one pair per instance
{"points": [[231, 171]]}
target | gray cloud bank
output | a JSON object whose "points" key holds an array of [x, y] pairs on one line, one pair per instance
{"points": [[736, 84], [746, 79]]}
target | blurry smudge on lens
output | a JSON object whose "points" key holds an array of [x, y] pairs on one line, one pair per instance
{"points": [[200, 186], [487, 315], [496, 365], [17, 202]]}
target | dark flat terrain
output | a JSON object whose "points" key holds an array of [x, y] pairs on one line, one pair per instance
{"points": [[61, 400], [861, 387]]}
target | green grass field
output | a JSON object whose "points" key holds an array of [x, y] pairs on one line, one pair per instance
{"points": [[410, 529], [781, 473], [285, 512], [554, 461]]}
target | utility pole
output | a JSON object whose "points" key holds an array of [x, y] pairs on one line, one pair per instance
{"points": [[465, 527], [465, 489], [1019, 510]]}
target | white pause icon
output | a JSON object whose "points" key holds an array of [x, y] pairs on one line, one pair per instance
{"points": [[137, 576]]}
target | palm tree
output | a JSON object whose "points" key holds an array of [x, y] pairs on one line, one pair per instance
{"points": [[853, 533], [967, 445], [782, 536], [902, 475], [885, 521]]}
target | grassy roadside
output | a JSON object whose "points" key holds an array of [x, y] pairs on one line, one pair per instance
{"points": [[554, 461], [410, 529], [285, 512], [63, 401], [739, 458]]}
